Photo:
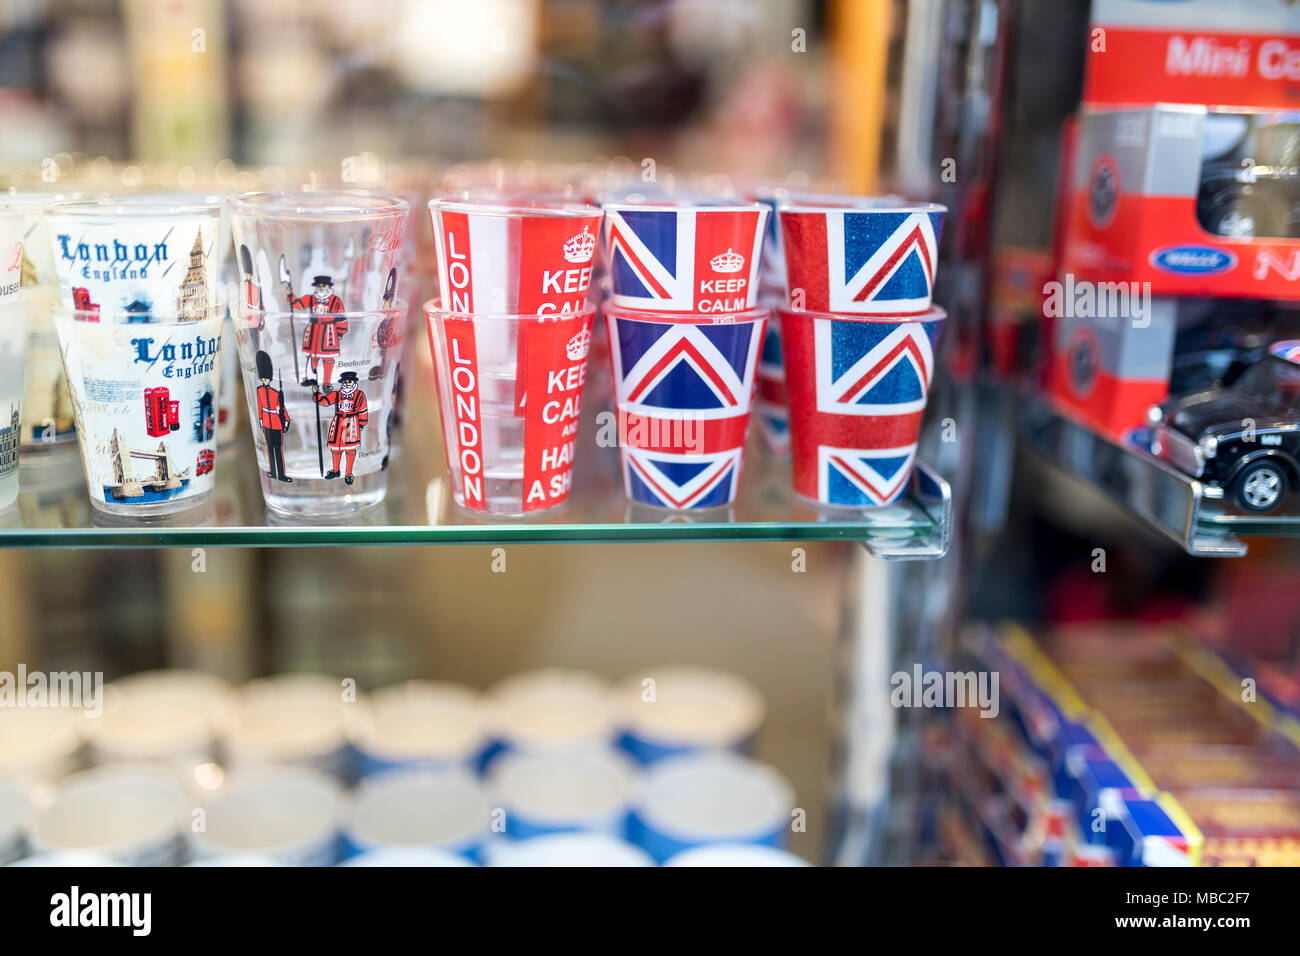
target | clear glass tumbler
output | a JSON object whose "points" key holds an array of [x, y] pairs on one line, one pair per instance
{"points": [[510, 393], [319, 330], [322, 435]]}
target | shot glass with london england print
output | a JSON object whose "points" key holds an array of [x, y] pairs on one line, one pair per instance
{"points": [[144, 399], [139, 330], [141, 259], [320, 331]]}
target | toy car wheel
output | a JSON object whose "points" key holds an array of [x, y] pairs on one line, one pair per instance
{"points": [[1261, 487], [1242, 218]]}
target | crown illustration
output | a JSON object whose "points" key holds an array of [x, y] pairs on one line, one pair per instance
{"points": [[577, 346], [728, 262], [580, 248]]}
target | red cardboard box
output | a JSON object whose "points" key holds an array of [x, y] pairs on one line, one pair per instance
{"points": [[1185, 170], [1243, 53], [1149, 184]]}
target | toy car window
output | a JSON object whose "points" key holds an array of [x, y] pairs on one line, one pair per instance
{"points": [[1278, 145]]}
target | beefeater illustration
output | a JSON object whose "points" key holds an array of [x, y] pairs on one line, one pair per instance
{"points": [[273, 417], [325, 329], [350, 416]]}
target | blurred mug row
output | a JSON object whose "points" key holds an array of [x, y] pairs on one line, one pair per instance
{"points": [[655, 762]]}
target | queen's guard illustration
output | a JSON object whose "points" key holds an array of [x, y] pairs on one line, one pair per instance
{"points": [[273, 416], [325, 325], [249, 287], [351, 415]]}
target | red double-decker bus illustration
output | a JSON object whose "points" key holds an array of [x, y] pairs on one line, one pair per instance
{"points": [[161, 414]]}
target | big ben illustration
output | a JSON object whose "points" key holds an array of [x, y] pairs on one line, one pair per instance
{"points": [[192, 298]]}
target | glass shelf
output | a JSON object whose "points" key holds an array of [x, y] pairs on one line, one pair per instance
{"points": [[54, 511], [1173, 503]]}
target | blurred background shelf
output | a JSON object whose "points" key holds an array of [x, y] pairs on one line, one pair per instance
{"points": [[1173, 503], [53, 509]]}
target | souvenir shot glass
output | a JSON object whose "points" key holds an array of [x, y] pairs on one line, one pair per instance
{"points": [[13, 347], [873, 261], [499, 255], [684, 387], [857, 387], [510, 394], [770, 405], [144, 399], [318, 253], [685, 257], [47, 420], [322, 449], [514, 257], [138, 259], [776, 197], [320, 334]]}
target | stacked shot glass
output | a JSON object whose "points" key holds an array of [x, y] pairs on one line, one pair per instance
{"points": [[319, 325], [510, 332], [139, 329], [858, 339], [46, 415], [685, 330], [13, 346]]}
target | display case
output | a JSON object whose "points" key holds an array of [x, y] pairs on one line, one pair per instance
{"points": [[816, 391]]}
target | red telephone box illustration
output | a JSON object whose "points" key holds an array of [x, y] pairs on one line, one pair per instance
{"points": [[81, 303], [161, 415]]}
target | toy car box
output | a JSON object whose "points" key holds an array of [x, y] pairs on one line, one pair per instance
{"points": [[1186, 169], [1191, 201]]}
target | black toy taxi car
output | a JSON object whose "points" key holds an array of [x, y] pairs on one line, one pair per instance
{"points": [[1243, 441]]}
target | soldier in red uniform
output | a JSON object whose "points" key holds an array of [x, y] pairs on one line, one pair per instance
{"points": [[320, 341], [273, 417], [350, 417]]}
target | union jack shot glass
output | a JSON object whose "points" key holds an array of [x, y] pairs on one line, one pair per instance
{"points": [[875, 261], [684, 386], [857, 388], [685, 257], [777, 197]]}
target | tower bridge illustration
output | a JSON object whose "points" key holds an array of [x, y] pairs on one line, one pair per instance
{"points": [[162, 484]]}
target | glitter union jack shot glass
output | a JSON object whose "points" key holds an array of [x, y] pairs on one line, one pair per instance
{"points": [[778, 197], [857, 388], [685, 258], [870, 261], [684, 387]]}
